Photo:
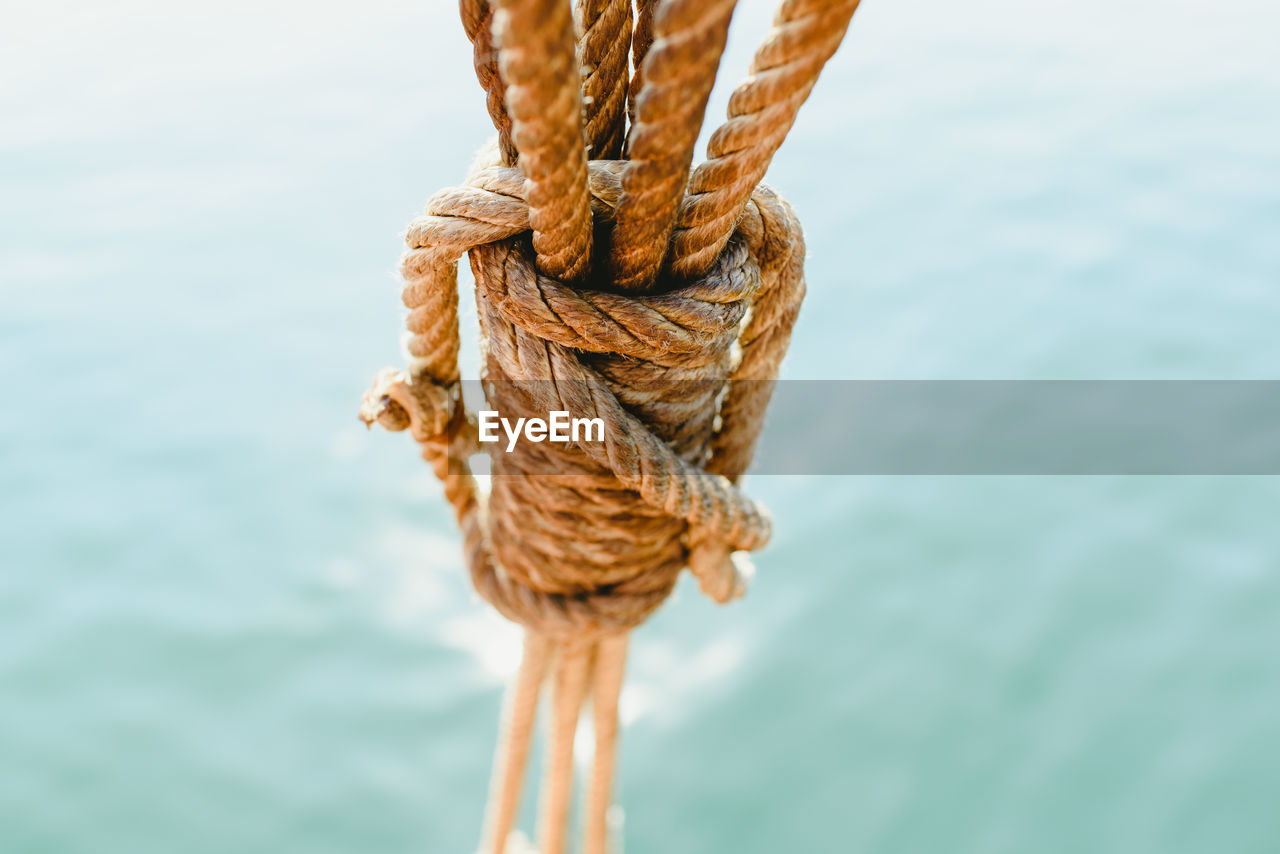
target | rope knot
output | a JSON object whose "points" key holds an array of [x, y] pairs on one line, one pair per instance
{"points": [[589, 537]]}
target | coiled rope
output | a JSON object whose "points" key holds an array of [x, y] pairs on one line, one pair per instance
{"points": [[671, 332]]}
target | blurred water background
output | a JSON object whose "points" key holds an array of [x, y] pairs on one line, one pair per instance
{"points": [[231, 621]]}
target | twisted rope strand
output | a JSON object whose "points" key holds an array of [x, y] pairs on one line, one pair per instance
{"points": [[602, 54], [477, 21], [678, 73], [641, 39], [762, 109], [537, 62]]}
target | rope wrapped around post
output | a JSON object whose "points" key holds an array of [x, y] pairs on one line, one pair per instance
{"points": [[672, 338]]}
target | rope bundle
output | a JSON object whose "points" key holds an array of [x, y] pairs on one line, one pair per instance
{"points": [[630, 290]]}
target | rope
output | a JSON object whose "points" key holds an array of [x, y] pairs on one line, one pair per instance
{"points": [[572, 676], [544, 98], [762, 109], [699, 321], [610, 665], [477, 21], [512, 754], [678, 72], [674, 343], [643, 36], [641, 39], [592, 550], [602, 55]]}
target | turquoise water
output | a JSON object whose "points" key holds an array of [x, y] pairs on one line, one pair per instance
{"points": [[235, 622]]}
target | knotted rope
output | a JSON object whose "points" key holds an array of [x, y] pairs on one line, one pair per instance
{"points": [[672, 338]]}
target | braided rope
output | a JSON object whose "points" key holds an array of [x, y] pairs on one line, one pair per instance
{"points": [[762, 109], [678, 72], [602, 55], [477, 21], [641, 39], [544, 99]]}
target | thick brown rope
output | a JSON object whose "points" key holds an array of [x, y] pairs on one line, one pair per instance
{"points": [[543, 97], [678, 72], [603, 46], [477, 21], [641, 39], [762, 109]]}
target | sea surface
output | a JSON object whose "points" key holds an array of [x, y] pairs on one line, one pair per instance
{"points": [[232, 621]]}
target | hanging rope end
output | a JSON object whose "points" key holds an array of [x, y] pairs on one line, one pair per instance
{"points": [[384, 402], [722, 575], [398, 403]]}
